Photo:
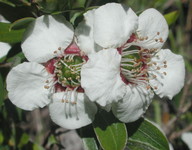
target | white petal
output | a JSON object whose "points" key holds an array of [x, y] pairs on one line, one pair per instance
{"points": [[84, 34], [187, 138], [113, 25], [45, 35], [153, 26], [70, 115], [25, 85], [133, 105], [170, 84], [100, 77], [2, 19], [4, 49]]}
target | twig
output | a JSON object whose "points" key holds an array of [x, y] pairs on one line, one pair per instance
{"points": [[5, 65], [182, 108], [175, 135]]}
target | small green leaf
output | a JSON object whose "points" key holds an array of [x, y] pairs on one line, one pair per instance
{"points": [[171, 17], [21, 23], [90, 144], [111, 134], [144, 135], [10, 36], [1, 137], [23, 140], [37, 147], [52, 140]]}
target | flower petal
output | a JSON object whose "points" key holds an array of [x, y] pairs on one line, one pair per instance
{"points": [[113, 25], [187, 138], [45, 35], [100, 77], [133, 105], [25, 85], [84, 34], [74, 112], [4, 49], [169, 79], [152, 30]]}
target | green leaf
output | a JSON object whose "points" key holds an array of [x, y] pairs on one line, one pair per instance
{"points": [[52, 140], [23, 140], [171, 17], [1, 91], [111, 134], [21, 23], [144, 135], [90, 144], [10, 36], [37, 147], [1, 137], [7, 2]]}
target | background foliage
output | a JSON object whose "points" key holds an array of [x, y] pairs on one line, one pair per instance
{"points": [[22, 130]]}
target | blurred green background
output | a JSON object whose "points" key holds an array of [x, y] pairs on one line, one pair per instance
{"points": [[23, 130]]}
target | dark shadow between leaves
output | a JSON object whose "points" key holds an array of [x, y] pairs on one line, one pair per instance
{"points": [[133, 126]]}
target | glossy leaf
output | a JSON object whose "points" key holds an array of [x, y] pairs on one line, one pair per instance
{"points": [[111, 134], [145, 135], [21, 23], [171, 17], [89, 144], [10, 36]]}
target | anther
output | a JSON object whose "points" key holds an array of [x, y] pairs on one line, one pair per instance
{"points": [[158, 68], [55, 52], [59, 48], [165, 62], [156, 40], [154, 63], [154, 76], [161, 40], [165, 66], [148, 87], [46, 86], [146, 38], [158, 33], [47, 81], [155, 87], [141, 38], [165, 73]]}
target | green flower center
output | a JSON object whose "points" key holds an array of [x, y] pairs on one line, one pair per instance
{"points": [[67, 70]]}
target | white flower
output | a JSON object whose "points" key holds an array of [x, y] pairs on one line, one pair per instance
{"points": [[187, 138], [4, 47], [126, 75], [52, 77]]}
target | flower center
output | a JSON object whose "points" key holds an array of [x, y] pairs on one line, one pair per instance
{"points": [[67, 70], [137, 67], [133, 66]]}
